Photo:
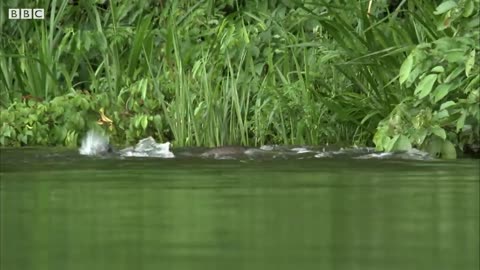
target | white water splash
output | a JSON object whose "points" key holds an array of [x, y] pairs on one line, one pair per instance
{"points": [[148, 147], [94, 144], [301, 150]]}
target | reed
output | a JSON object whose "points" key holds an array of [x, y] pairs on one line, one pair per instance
{"points": [[203, 73]]}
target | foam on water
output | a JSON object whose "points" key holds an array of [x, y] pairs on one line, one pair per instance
{"points": [[97, 144], [148, 147]]}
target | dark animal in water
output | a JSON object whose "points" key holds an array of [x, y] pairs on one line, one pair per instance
{"points": [[225, 152]]}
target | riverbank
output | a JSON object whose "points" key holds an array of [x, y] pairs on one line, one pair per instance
{"points": [[198, 74]]}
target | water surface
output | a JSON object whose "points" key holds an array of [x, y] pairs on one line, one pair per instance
{"points": [[59, 210]]}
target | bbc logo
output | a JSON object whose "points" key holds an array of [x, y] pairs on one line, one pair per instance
{"points": [[26, 13]]}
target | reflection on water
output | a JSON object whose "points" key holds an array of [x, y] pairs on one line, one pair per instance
{"points": [[61, 211]]}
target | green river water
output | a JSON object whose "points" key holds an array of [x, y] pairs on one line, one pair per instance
{"points": [[59, 210]]}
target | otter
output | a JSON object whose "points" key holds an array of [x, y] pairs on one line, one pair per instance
{"points": [[225, 152]]}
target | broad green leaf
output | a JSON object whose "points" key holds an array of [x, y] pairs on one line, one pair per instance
{"points": [[406, 68], [143, 87], [380, 139], [60, 133], [86, 41], [419, 136], [472, 84], [440, 92], [402, 144], [23, 138], [445, 44], [137, 122], [473, 23], [455, 56], [434, 146], [469, 63], [440, 132], [446, 105], [461, 121], [440, 115], [474, 97], [438, 69], [391, 143], [444, 7], [7, 132], [157, 122], [259, 68], [448, 150], [144, 122], [425, 86], [457, 71], [422, 64], [84, 104], [468, 8]]}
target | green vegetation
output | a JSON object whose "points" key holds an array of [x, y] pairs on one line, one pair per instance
{"points": [[244, 72]]}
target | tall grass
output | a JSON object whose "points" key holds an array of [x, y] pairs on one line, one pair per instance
{"points": [[370, 50], [188, 71], [248, 81]]}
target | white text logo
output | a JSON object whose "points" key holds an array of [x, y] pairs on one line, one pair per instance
{"points": [[26, 13]]}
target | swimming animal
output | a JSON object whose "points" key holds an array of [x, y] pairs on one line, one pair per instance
{"points": [[225, 152]]}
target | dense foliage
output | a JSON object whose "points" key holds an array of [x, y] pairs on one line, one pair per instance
{"points": [[244, 72], [444, 72]]}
